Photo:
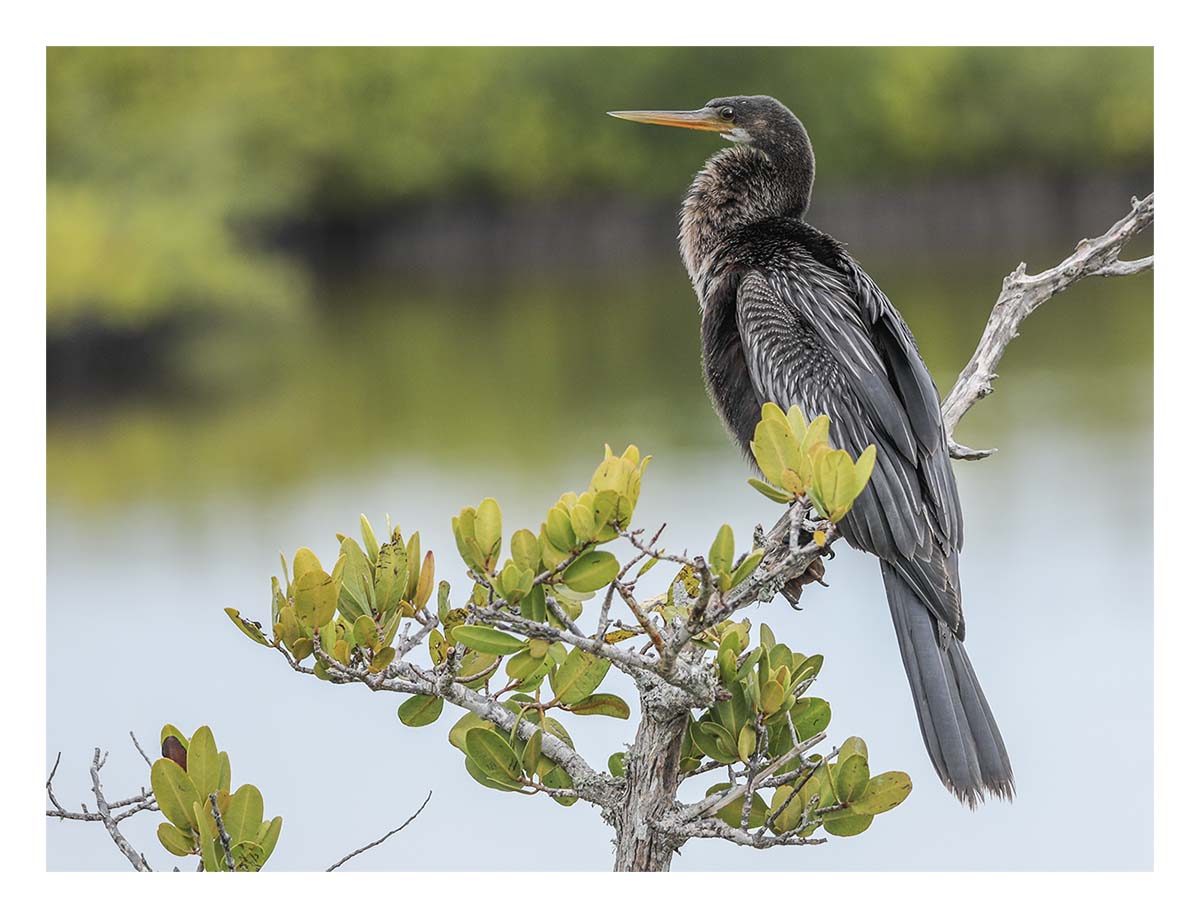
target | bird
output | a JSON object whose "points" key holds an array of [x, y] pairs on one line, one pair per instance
{"points": [[788, 316]]}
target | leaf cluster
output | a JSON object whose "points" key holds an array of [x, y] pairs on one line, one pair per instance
{"points": [[796, 459], [189, 773]]}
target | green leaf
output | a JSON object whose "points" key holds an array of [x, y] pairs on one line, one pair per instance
{"points": [[357, 568], [720, 555], [816, 435], [810, 716], [852, 745], [809, 668], [526, 552], [368, 536], [531, 754], [243, 815], [882, 793], [775, 448], [488, 529], [268, 835], [204, 762], [864, 466], [747, 742], [558, 779], [578, 676], [226, 776], [583, 519], [382, 658], [247, 856], [780, 497], [616, 764], [366, 633], [590, 572], [558, 530], [175, 840], [488, 640], [305, 562], [524, 665], [846, 824], [791, 815], [204, 766], [731, 813], [420, 710], [316, 598], [492, 754], [607, 705], [852, 775], [174, 792], [533, 606], [252, 630], [391, 577], [797, 422], [469, 721], [202, 816], [479, 775], [747, 567]]}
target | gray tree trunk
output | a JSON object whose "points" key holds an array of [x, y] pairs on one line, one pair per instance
{"points": [[651, 780]]}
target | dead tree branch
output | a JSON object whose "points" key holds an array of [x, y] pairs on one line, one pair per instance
{"points": [[1022, 293]]}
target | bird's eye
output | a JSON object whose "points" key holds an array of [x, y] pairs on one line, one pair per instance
{"points": [[727, 113]]}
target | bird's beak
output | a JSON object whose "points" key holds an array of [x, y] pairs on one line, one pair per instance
{"points": [[702, 119]]}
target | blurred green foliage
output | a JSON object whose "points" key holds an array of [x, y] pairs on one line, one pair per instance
{"points": [[161, 159], [633, 341]]}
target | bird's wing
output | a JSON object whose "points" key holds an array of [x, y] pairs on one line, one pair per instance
{"points": [[915, 387], [810, 341]]}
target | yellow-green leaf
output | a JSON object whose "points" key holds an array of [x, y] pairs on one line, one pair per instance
{"points": [[720, 555], [420, 710], [883, 792], [766, 490], [493, 755], [488, 640], [603, 704], [488, 530], [243, 815], [578, 676], [252, 630], [590, 572], [174, 792], [204, 765], [175, 840]]}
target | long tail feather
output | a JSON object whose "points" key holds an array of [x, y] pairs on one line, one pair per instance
{"points": [[960, 733]]}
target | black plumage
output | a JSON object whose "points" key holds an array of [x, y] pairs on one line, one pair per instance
{"points": [[788, 316]]}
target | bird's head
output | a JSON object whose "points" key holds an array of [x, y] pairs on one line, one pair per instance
{"points": [[759, 121]]}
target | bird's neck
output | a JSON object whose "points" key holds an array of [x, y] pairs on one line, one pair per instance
{"points": [[737, 187]]}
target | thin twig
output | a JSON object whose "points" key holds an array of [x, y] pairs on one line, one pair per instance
{"points": [[380, 841], [141, 751]]}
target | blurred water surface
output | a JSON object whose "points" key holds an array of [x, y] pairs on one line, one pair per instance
{"points": [[416, 397]]}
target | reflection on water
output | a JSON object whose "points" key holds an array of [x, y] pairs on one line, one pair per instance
{"points": [[415, 401]]}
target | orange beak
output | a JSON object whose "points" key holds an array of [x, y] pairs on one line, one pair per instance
{"points": [[702, 119]]}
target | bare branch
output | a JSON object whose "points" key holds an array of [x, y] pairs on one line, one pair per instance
{"points": [[1021, 294], [715, 828], [137, 860], [715, 802], [381, 840], [141, 751]]}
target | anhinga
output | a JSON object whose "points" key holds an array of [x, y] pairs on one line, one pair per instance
{"points": [[788, 316]]}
